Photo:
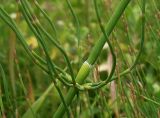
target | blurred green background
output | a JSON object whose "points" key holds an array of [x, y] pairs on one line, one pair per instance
{"points": [[135, 95]]}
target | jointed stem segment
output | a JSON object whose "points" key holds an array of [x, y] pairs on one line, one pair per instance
{"points": [[82, 74]]}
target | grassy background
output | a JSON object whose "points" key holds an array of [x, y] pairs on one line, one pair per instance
{"points": [[136, 94]]}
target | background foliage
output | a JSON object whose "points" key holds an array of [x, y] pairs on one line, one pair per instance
{"points": [[136, 94]]}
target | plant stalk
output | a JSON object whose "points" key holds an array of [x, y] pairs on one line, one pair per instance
{"points": [[85, 68]]}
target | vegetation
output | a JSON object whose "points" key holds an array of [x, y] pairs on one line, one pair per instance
{"points": [[80, 59]]}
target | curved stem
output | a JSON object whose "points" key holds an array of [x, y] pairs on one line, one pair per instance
{"points": [[85, 68], [32, 23], [39, 26], [76, 20], [47, 17], [107, 40]]}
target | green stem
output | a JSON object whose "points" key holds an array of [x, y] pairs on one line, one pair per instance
{"points": [[48, 19], [82, 74], [33, 22], [141, 45], [40, 27], [107, 40], [76, 20], [85, 69], [109, 28]]}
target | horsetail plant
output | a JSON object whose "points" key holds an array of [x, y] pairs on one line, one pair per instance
{"points": [[85, 69], [56, 73], [92, 58]]}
